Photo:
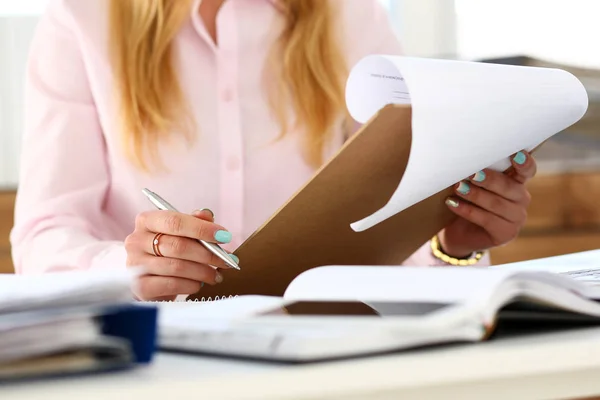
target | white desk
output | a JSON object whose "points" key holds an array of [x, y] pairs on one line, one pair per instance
{"points": [[562, 365]]}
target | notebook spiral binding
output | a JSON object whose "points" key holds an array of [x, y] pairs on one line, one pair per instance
{"points": [[200, 300], [208, 299]]}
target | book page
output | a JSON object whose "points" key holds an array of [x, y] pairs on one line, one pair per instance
{"points": [[446, 285], [234, 307], [563, 264], [213, 315], [467, 116], [583, 267]]}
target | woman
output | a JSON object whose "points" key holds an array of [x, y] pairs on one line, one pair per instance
{"points": [[221, 105]]}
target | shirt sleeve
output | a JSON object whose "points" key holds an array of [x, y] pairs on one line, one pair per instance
{"points": [[59, 222]]}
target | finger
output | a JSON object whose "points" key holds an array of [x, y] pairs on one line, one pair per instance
{"points": [[205, 214], [500, 184], [494, 203], [499, 229], [178, 224], [178, 247], [524, 166], [154, 287], [177, 268]]}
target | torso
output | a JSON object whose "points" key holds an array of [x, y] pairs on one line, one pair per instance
{"points": [[235, 167]]}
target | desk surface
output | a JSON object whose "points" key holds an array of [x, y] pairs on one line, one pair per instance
{"points": [[556, 365]]}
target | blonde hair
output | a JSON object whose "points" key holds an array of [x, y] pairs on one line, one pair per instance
{"points": [[307, 58]]}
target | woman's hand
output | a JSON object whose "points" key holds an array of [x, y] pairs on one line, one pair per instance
{"points": [[176, 263], [492, 207]]}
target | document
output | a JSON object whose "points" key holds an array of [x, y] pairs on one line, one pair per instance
{"points": [[467, 116], [51, 291]]}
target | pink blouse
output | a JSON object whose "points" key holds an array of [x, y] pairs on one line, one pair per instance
{"points": [[79, 195]]}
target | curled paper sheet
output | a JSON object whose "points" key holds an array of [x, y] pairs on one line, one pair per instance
{"points": [[467, 116]]}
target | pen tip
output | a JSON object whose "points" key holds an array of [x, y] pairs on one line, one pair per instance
{"points": [[146, 191], [233, 265]]}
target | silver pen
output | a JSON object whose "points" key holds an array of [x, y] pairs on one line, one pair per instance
{"points": [[162, 204]]}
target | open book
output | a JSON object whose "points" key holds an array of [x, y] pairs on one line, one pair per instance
{"points": [[342, 311], [428, 124]]}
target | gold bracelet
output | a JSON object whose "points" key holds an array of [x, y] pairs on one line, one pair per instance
{"points": [[436, 248]]}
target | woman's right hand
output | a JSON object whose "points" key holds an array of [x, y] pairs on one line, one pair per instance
{"points": [[181, 264]]}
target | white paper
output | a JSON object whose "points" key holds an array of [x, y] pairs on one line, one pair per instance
{"points": [[583, 266], [47, 337], [237, 307], [467, 116], [31, 292], [446, 285], [177, 318]]}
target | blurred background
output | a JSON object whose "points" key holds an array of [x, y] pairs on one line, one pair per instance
{"points": [[564, 215]]}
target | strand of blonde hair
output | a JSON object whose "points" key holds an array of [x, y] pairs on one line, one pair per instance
{"points": [[152, 107]]}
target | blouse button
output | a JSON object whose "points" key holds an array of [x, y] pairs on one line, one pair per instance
{"points": [[227, 95], [233, 163]]}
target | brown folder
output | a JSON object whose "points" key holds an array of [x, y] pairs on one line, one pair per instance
{"points": [[313, 228]]}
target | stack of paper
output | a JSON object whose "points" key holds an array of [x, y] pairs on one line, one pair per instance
{"points": [[72, 322]]}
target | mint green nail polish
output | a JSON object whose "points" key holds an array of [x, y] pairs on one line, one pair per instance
{"points": [[479, 177], [201, 285], [464, 188], [235, 258], [223, 236], [520, 158]]}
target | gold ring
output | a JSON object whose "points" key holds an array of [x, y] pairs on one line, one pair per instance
{"points": [[155, 248]]}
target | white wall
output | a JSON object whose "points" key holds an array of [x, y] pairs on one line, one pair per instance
{"points": [[22, 7], [15, 35], [564, 31], [427, 28]]}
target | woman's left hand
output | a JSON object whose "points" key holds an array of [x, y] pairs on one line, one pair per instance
{"points": [[492, 207]]}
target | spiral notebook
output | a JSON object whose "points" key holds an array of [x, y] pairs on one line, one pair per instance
{"points": [[428, 124]]}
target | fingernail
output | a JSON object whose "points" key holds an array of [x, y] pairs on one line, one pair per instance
{"points": [[218, 278], [197, 213], [201, 285], [520, 158], [235, 258], [479, 176], [463, 188], [223, 236], [452, 203], [210, 211]]}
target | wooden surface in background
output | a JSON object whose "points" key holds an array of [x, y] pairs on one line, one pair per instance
{"points": [[564, 202], [545, 245], [7, 200], [564, 217]]}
